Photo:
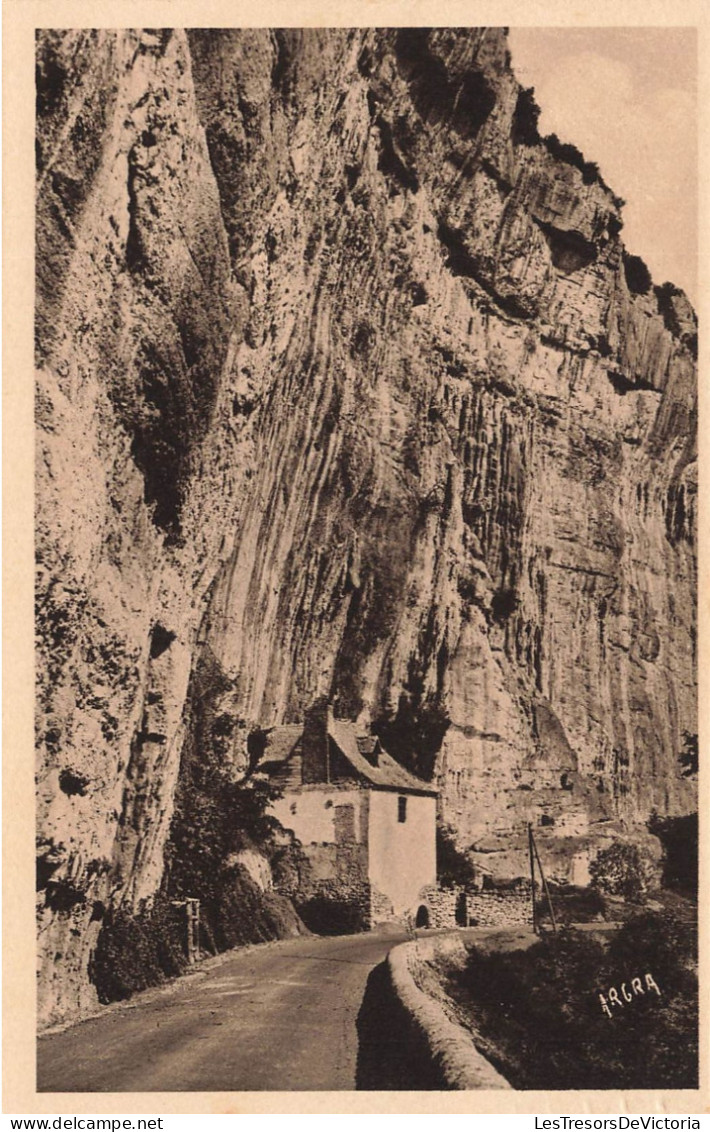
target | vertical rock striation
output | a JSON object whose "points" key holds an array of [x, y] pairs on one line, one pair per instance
{"points": [[345, 387]]}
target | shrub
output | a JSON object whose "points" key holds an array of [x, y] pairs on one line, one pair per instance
{"points": [[452, 866], [668, 946], [539, 1017], [572, 904], [525, 118], [238, 912], [665, 294], [638, 277], [137, 951], [214, 818], [679, 838], [688, 758], [570, 155], [621, 870]]}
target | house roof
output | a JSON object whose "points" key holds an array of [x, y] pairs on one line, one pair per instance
{"points": [[282, 757], [386, 772], [280, 746], [280, 741]]}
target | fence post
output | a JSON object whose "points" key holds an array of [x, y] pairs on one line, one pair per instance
{"points": [[191, 908]]}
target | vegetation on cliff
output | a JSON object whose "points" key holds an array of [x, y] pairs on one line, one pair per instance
{"points": [[219, 813]]}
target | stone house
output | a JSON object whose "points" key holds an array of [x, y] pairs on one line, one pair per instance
{"points": [[367, 826]]}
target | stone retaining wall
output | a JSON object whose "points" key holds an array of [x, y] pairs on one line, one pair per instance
{"points": [[441, 905], [510, 909], [444, 1049], [499, 910]]}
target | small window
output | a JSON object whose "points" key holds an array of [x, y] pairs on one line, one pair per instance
{"points": [[401, 809]]}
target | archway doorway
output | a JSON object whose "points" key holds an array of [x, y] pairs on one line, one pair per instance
{"points": [[422, 920]]}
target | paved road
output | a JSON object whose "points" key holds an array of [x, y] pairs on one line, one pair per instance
{"points": [[280, 1017]]}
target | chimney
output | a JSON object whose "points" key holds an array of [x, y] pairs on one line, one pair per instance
{"points": [[316, 760]]}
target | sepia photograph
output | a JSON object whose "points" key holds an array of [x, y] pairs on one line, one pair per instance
{"points": [[365, 533]]}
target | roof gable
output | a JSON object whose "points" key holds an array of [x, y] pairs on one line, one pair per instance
{"points": [[385, 772], [363, 753]]}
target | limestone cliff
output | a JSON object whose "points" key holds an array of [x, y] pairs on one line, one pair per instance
{"points": [[345, 385]]}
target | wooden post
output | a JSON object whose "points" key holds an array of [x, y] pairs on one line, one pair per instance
{"points": [[191, 908], [192, 911], [532, 875], [544, 885]]}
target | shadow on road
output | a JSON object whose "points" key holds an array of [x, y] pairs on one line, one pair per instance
{"points": [[389, 1056]]}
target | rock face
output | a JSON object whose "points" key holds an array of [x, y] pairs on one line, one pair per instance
{"points": [[344, 387]]}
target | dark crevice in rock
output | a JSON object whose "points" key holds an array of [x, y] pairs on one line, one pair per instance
{"points": [[461, 262], [622, 384], [570, 250], [160, 640], [390, 160], [503, 604], [419, 295], [63, 896], [677, 515], [283, 61], [143, 737], [465, 104], [71, 783], [46, 867], [504, 185], [50, 79], [135, 256]]}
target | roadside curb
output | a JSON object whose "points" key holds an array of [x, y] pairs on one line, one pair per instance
{"points": [[448, 1047]]}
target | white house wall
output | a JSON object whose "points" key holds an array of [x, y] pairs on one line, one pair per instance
{"points": [[310, 813], [402, 855]]}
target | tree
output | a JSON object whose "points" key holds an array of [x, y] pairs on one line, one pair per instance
{"points": [[679, 838], [621, 869], [638, 277], [526, 118], [452, 866], [688, 757]]}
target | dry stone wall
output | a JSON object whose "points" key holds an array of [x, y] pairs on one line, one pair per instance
{"points": [[441, 905], [499, 910]]}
